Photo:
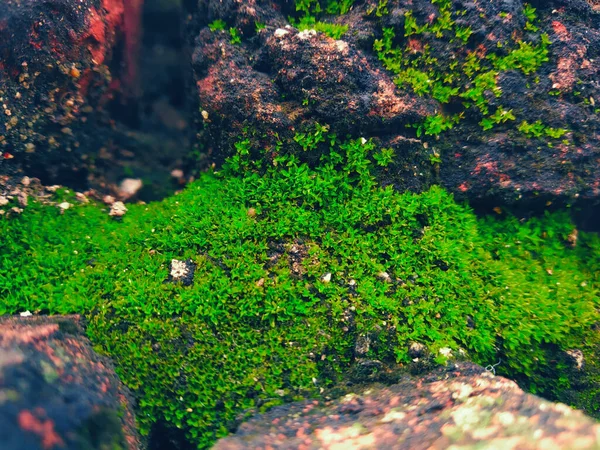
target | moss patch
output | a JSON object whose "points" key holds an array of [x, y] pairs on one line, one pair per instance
{"points": [[295, 265]]}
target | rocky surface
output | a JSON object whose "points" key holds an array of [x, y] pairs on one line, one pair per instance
{"points": [[56, 393], [61, 66], [278, 81], [460, 406]]}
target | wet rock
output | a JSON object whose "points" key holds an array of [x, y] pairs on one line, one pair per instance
{"points": [[56, 392], [460, 405]]}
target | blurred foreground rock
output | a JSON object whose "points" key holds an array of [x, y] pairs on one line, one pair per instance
{"points": [[460, 407], [56, 393]]}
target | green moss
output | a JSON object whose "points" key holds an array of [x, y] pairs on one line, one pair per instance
{"points": [[466, 79], [316, 7], [332, 30], [294, 261]]}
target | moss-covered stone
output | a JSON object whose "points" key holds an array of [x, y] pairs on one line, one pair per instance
{"points": [[302, 270]]}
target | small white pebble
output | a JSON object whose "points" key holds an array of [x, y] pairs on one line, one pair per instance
{"points": [[26, 314], [326, 278], [117, 209], [280, 32], [64, 206]]}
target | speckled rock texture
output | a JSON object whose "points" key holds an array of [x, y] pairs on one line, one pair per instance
{"points": [[458, 407], [56, 393], [279, 81], [61, 62]]}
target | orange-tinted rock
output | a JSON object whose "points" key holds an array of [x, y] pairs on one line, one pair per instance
{"points": [[61, 63]]}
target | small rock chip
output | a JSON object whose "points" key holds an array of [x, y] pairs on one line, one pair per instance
{"points": [[26, 181], [117, 209], [182, 271], [251, 213], [81, 197], [26, 314], [417, 350], [577, 357], [3, 201], [64, 206], [326, 278], [16, 210], [108, 199], [130, 187], [177, 173], [22, 199], [384, 276], [280, 32]]}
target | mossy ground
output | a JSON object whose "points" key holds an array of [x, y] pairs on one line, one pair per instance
{"points": [[295, 261]]}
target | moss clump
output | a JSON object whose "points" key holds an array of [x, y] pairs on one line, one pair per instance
{"points": [[294, 264]]}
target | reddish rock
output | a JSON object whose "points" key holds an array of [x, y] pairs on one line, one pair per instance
{"points": [[460, 406], [56, 393], [59, 67], [279, 81]]}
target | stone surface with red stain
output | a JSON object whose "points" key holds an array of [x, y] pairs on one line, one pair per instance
{"points": [[459, 406], [279, 81], [62, 61], [56, 392]]}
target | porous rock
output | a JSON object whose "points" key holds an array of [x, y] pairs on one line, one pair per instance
{"points": [[458, 406], [279, 81], [58, 71], [56, 393]]}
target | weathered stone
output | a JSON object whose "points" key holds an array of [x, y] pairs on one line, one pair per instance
{"points": [[56, 393], [460, 406], [58, 72]]}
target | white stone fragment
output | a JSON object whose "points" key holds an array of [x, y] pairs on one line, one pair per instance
{"points": [[26, 314], [179, 269], [117, 209], [280, 32], [130, 186]]}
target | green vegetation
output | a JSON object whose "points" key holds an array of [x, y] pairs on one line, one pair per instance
{"points": [[311, 10], [317, 7], [217, 25], [332, 30], [294, 261], [236, 37], [467, 80]]}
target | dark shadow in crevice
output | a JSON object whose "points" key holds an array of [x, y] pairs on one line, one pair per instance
{"points": [[166, 437]]}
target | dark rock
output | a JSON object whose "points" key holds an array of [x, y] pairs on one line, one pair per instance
{"points": [[61, 63], [460, 405], [279, 81], [56, 393]]}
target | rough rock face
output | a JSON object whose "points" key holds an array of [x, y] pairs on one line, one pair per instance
{"points": [[461, 406], [56, 393], [278, 81], [509, 167], [60, 64]]}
